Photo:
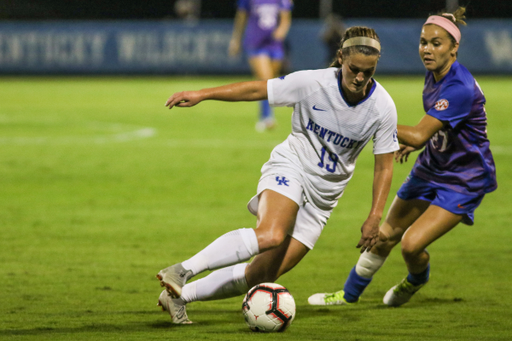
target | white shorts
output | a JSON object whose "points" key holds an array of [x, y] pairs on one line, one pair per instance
{"points": [[310, 220]]}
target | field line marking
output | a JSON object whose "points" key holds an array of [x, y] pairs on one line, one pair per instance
{"points": [[139, 134], [218, 143], [128, 133], [501, 150]]}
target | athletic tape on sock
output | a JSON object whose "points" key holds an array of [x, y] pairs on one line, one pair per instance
{"points": [[368, 264]]}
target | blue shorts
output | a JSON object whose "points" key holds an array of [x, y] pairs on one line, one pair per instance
{"points": [[274, 52], [437, 194]]}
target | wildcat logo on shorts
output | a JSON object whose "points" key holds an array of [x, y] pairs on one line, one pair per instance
{"points": [[282, 181], [442, 104]]}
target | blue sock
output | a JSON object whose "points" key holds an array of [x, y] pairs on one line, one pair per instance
{"points": [[265, 110], [354, 286], [420, 278]]}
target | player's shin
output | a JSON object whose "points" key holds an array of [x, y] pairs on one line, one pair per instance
{"points": [[361, 275], [223, 283], [231, 248]]}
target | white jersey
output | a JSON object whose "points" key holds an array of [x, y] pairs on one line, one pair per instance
{"points": [[328, 134]]}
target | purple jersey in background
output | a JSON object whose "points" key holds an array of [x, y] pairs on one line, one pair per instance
{"points": [[263, 18], [458, 155]]}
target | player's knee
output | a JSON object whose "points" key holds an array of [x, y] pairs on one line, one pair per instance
{"points": [[270, 238], [276, 239], [411, 249]]}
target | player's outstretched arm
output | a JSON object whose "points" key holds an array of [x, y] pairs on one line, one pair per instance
{"points": [[416, 136], [238, 32], [285, 22], [382, 176], [244, 91]]}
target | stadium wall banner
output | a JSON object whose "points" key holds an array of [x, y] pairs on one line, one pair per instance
{"points": [[176, 47]]}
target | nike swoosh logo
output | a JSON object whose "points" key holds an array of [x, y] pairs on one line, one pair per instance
{"points": [[318, 109]]}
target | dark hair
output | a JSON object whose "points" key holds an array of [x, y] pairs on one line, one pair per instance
{"points": [[357, 31], [457, 17]]}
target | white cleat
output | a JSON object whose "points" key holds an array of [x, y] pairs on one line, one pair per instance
{"points": [[173, 279], [266, 124], [177, 311], [401, 293]]}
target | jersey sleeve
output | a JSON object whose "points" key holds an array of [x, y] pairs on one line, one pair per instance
{"points": [[243, 5], [288, 90], [286, 5], [385, 139], [453, 105]]}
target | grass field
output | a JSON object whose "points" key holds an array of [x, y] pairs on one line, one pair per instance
{"points": [[101, 187]]}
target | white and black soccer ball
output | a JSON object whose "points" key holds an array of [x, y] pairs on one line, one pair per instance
{"points": [[268, 307]]}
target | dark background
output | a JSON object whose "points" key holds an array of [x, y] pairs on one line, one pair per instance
{"points": [[222, 9]]}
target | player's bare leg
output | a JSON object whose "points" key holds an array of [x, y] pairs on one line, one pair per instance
{"points": [[276, 216], [279, 253], [401, 215], [270, 265], [431, 225], [263, 68]]}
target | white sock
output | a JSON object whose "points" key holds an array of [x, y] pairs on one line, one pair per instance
{"points": [[223, 283], [231, 248], [368, 264]]}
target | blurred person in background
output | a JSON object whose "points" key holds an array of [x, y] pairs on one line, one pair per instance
{"points": [[336, 112], [332, 34], [266, 24], [450, 177], [189, 10]]}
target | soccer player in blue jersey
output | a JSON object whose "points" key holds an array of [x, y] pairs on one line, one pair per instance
{"points": [[266, 24], [450, 177]]}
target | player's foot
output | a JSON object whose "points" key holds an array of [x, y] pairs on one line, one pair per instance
{"points": [[174, 278], [177, 311], [329, 299], [401, 293], [266, 124]]}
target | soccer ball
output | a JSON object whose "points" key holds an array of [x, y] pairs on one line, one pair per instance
{"points": [[268, 307]]}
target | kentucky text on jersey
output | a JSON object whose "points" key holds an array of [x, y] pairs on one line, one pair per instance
{"points": [[329, 135]]}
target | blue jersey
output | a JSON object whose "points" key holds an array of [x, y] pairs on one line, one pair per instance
{"points": [[458, 155], [263, 19]]}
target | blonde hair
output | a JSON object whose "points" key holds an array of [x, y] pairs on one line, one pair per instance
{"points": [[353, 32]]}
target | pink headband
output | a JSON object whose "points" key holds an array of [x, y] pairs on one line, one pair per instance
{"points": [[447, 24]]}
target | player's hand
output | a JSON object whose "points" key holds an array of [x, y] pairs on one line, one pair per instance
{"points": [[278, 35], [402, 155], [369, 234], [183, 99], [234, 48]]}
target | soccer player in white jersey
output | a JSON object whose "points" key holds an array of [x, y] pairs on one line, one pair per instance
{"points": [[336, 112]]}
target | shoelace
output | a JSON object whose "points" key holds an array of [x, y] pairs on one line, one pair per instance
{"points": [[406, 288], [337, 296]]}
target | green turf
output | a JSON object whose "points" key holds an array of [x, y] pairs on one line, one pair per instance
{"points": [[101, 187]]}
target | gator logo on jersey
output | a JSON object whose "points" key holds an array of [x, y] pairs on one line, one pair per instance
{"points": [[442, 104]]}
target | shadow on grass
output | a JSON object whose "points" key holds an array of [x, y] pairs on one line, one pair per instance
{"points": [[204, 319], [203, 323]]}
